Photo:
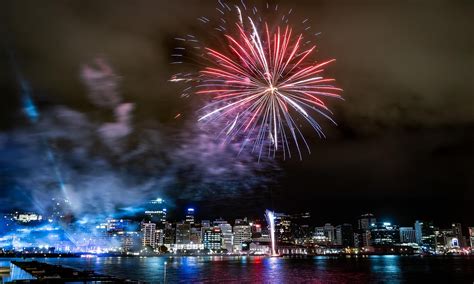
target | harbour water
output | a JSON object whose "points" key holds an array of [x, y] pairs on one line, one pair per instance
{"points": [[320, 269]]}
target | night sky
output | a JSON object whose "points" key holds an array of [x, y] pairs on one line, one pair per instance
{"points": [[403, 148]]}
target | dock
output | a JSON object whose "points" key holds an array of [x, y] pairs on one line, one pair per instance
{"points": [[41, 272]]}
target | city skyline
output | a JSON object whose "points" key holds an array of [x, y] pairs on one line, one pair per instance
{"points": [[160, 209], [236, 141], [394, 150], [152, 230]]}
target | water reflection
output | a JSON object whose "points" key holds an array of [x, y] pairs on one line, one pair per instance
{"points": [[385, 264], [240, 269]]}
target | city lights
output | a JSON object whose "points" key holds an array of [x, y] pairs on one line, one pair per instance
{"points": [[151, 232]]}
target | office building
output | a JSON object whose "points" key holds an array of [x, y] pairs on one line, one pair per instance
{"points": [[212, 239], [195, 235], [320, 236], [425, 235], [190, 216], [160, 237], [457, 233], [330, 233], [242, 233], [407, 235], [183, 233], [283, 228], [344, 235], [471, 237], [227, 234], [384, 233], [365, 221], [131, 242], [169, 234], [156, 212], [300, 226], [27, 217], [148, 230]]}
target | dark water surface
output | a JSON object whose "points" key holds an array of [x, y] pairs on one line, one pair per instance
{"points": [[320, 269]]}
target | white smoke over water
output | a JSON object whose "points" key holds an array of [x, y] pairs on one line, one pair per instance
{"points": [[102, 166]]}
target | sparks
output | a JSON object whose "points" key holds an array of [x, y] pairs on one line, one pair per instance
{"points": [[263, 86]]}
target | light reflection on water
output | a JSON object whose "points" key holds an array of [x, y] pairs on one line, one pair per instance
{"points": [[393, 269], [386, 264]]}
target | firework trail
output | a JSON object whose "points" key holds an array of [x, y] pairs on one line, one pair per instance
{"points": [[262, 84]]}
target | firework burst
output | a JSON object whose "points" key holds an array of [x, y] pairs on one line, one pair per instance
{"points": [[263, 85]]}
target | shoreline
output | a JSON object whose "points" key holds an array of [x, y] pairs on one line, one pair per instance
{"points": [[88, 255]]}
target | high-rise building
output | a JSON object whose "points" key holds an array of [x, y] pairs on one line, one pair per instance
{"points": [[365, 221], [195, 235], [205, 224], [160, 237], [320, 236], [418, 234], [357, 239], [330, 233], [283, 228], [457, 233], [212, 238], [425, 235], [156, 212], [148, 230], [118, 226], [183, 233], [242, 233], [27, 217], [227, 235], [131, 241], [407, 235], [325, 235], [344, 235], [256, 228], [300, 226], [471, 237], [190, 216], [384, 233], [442, 237], [169, 234]]}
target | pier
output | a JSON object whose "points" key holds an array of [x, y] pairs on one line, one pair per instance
{"points": [[40, 272]]}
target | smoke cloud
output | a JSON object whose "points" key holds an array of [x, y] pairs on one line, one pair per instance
{"points": [[102, 166]]}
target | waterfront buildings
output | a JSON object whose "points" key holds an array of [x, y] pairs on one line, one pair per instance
{"points": [[365, 221], [471, 237], [212, 239], [153, 232], [344, 235], [407, 235], [227, 234], [156, 212], [384, 233], [363, 229], [283, 227], [148, 230], [242, 233], [190, 216], [425, 235], [183, 233], [27, 217]]}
